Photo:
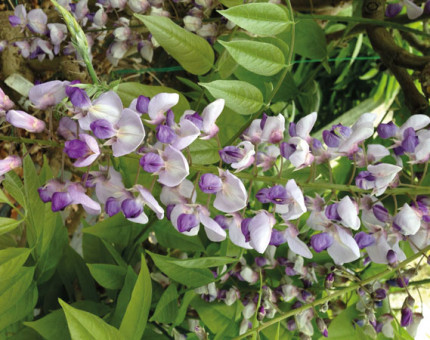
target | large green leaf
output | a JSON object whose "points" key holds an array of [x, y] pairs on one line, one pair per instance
{"points": [[107, 275], [310, 40], [259, 18], [191, 277], [191, 51], [239, 96], [14, 287], [84, 325], [136, 316], [218, 317], [124, 297], [8, 224], [167, 306], [131, 90], [11, 260], [258, 57], [20, 307]]}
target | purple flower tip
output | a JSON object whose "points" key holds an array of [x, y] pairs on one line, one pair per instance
{"points": [[142, 104], [222, 221], [60, 200], [331, 212], [364, 240], [260, 261], [210, 183], [131, 208], [75, 148], [165, 134], [287, 149], [387, 130], [407, 317], [230, 154], [186, 222], [112, 206], [380, 294], [278, 194], [392, 10], [151, 162], [263, 195], [391, 257], [292, 129], [380, 213], [321, 241], [245, 230], [196, 119], [277, 238], [102, 129]]}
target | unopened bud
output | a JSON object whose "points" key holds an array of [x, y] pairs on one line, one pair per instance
{"points": [[392, 258], [329, 280], [322, 327]]}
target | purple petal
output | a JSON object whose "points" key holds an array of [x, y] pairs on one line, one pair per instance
{"points": [[331, 212], [287, 149], [364, 240], [186, 222], [244, 227], [165, 134], [387, 130], [331, 139], [407, 317], [230, 154], [130, 133], [78, 97], [278, 194], [210, 183], [292, 129], [102, 129], [131, 208], [277, 238], [196, 119], [76, 148], [60, 200], [322, 241], [380, 213], [112, 206], [263, 195], [391, 11], [142, 104], [151, 162]]}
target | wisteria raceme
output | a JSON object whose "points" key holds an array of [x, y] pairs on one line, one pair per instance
{"points": [[253, 197]]}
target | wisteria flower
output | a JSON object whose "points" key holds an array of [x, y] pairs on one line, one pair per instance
{"points": [[377, 177], [85, 150], [293, 206], [48, 94], [9, 163], [233, 196], [23, 120]]}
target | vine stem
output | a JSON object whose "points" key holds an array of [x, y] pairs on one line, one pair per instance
{"points": [[334, 295]]}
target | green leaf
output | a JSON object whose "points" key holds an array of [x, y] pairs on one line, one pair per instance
{"points": [[84, 325], [204, 151], [15, 188], [20, 307], [231, 3], [310, 40], [167, 306], [194, 53], [53, 326], [131, 90], [4, 199], [218, 317], [192, 277], [136, 316], [205, 262], [169, 237], [342, 325], [124, 297], [186, 300], [259, 18], [107, 275], [11, 260], [239, 96], [258, 57], [8, 224]]}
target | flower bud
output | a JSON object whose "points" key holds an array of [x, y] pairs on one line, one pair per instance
{"points": [[5, 103], [322, 327], [23, 120], [210, 183], [321, 241], [151, 162], [329, 280], [392, 258], [186, 222], [9, 163]]}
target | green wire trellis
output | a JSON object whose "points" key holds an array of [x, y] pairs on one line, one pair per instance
{"points": [[180, 68]]}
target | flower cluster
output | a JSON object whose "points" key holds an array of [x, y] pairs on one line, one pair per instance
{"points": [[43, 39], [359, 225]]}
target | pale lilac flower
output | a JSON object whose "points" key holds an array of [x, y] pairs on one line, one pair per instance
{"points": [[378, 177], [273, 130], [36, 21], [57, 34], [348, 213], [107, 106], [360, 131], [260, 230], [240, 157], [85, 150], [138, 6], [108, 186], [233, 196], [383, 244], [24, 48], [253, 132], [412, 10], [267, 158], [303, 127], [295, 244], [117, 51], [144, 198], [407, 220], [192, 23], [19, 18], [344, 248], [146, 50], [297, 151], [9, 163], [374, 153], [40, 49], [210, 183], [23, 120], [160, 104], [5, 103], [294, 205], [187, 218], [129, 133], [48, 94], [322, 241], [235, 231], [77, 96]]}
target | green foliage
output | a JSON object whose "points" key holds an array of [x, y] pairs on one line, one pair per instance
{"points": [[107, 275], [259, 18], [84, 325], [258, 57], [191, 51], [240, 96], [136, 315]]}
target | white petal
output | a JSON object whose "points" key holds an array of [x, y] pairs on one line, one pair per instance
{"points": [[235, 234], [175, 167], [161, 103], [130, 133], [211, 113], [348, 213], [108, 106], [412, 10], [151, 202], [305, 125], [213, 230], [233, 195], [344, 248], [142, 219], [408, 220], [297, 245], [260, 229], [187, 134]]}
